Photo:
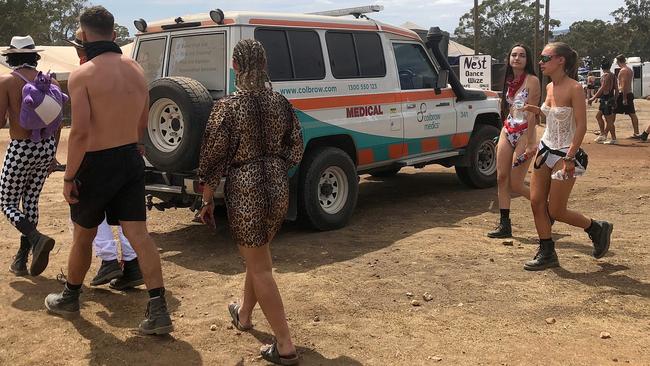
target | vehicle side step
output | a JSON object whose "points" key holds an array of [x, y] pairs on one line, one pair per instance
{"points": [[164, 188], [427, 158]]}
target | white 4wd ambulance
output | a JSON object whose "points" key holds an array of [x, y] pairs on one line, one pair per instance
{"points": [[371, 98]]}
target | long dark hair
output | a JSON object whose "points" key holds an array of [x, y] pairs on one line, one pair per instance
{"points": [[509, 74], [570, 58]]}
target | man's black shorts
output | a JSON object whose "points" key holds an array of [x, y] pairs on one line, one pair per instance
{"points": [[625, 109], [111, 183], [605, 106]]}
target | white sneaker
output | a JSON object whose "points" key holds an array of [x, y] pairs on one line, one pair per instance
{"points": [[610, 142], [600, 139]]}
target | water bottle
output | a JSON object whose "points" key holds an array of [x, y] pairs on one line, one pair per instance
{"points": [[517, 111], [520, 160], [559, 175]]}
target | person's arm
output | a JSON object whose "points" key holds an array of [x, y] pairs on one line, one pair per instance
{"points": [[605, 85], [580, 115], [4, 102], [78, 139], [534, 96], [293, 140]]}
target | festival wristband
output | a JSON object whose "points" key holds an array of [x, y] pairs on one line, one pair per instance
{"points": [[70, 180]]}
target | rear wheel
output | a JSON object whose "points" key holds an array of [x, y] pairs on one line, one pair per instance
{"points": [[328, 188], [178, 111], [482, 155]]}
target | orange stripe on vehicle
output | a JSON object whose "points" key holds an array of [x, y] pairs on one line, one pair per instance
{"points": [[365, 156], [297, 23], [460, 140], [400, 32], [429, 145], [396, 151], [355, 100]]}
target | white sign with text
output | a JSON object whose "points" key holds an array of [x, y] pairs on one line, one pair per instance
{"points": [[476, 71]]}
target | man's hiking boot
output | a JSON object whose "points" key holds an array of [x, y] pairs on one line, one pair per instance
{"points": [[504, 230], [546, 257], [41, 245], [109, 270], [157, 318], [19, 265], [65, 303], [600, 233], [131, 276]]}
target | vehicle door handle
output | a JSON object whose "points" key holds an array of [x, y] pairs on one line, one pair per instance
{"points": [[410, 106], [444, 104]]}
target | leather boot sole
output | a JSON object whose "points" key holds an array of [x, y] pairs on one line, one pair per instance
{"points": [[98, 281], [41, 256], [542, 267], [157, 331], [606, 235]]}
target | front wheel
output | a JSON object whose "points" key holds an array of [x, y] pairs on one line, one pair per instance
{"points": [[329, 186], [482, 155]]}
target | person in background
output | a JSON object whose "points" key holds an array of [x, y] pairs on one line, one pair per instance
{"points": [[607, 104]]}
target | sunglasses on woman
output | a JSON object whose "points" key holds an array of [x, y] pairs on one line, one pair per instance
{"points": [[545, 58]]}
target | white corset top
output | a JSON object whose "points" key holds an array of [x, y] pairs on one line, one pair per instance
{"points": [[560, 127]]}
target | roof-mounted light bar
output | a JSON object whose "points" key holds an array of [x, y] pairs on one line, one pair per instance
{"points": [[357, 12]]}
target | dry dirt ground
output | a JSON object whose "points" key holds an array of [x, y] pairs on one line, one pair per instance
{"points": [[346, 291]]}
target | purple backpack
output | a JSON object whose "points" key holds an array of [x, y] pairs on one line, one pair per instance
{"points": [[42, 106]]}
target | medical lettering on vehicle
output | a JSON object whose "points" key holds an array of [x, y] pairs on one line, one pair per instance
{"points": [[355, 87], [431, 120], [370, 110]]}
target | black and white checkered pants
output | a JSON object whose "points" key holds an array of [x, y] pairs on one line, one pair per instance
{"points": [[22, 179]]}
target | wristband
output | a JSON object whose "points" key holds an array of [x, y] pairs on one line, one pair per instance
{"points": [[68, 180], [569, 158]]}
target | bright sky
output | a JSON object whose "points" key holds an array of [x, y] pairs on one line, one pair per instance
{"points": [[442, 13]]}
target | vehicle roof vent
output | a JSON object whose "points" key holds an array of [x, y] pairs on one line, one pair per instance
{"points": [[357, 12]]}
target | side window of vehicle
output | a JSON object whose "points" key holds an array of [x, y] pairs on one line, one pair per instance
{"points": [[355, 54], [292, 54], [150, 56], [414, 67]]}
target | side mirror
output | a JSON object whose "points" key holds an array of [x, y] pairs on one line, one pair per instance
{"points": [[443, 80]]}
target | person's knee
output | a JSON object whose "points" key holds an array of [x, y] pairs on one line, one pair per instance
{"points": [[537, 203], [136, 233], [502, 178], [556, 211]]}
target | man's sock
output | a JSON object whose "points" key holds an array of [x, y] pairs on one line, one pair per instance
{"points": [[156, 292], [72, 287]]}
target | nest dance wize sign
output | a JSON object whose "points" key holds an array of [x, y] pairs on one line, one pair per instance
{"points": [[476, 71]]}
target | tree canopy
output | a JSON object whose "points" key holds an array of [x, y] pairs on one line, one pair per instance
{"points": [[49, 22]]}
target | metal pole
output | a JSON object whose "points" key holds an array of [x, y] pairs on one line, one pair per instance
{"points": [[476, 27], [546, 20], [536, 48]]}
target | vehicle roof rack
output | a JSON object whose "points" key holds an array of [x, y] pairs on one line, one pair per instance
{"points": [[357, 12]]}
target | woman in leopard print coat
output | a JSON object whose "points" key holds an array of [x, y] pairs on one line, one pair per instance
{"points": [[253, 138]]}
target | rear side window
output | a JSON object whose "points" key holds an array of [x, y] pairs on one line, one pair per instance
{"points": [[292, 54], [354, 55], [150, 56], [200, 57]]}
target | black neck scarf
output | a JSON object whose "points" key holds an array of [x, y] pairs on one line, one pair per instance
{"points": [[94, 49]]}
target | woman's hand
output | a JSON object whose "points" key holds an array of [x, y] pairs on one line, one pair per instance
{"points": [[207, 215], [532, 109], [531, 150], [569, 169]]}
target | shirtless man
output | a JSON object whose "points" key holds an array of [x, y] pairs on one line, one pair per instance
{"points": [[607, 95], [27, 163], [625, 101], [105, 171]]}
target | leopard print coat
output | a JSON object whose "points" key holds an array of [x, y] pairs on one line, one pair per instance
{"points": [[253, 138]]}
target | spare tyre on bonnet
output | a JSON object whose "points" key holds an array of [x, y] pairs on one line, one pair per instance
{"points": [[178, 110]]}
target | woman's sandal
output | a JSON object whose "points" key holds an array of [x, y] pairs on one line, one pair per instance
{"points": [[270, 353], [233, 308]]}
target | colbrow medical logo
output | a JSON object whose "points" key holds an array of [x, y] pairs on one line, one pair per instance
{"points": [[431, 120], [370, 110], [423, 110]]}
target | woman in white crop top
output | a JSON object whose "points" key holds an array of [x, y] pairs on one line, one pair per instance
{"points": [[517, 141], [559, 150]]}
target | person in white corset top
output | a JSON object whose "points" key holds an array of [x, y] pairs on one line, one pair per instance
{"points": [[560, 159]]}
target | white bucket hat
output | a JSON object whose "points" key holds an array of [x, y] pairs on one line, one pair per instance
{"points": [[21, 45]]}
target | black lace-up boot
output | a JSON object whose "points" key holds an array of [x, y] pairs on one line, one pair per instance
{"points": [[19, 265], [546, 257]]}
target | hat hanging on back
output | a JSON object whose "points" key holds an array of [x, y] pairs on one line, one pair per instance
{"points": [[76, 42], [21, 45]]}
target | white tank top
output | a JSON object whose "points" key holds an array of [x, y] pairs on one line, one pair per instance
{"points": [[560, 127]]}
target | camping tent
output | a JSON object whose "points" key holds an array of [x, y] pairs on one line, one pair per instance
{"points": [[60, 60]]}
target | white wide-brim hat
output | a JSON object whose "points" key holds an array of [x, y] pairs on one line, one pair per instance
{"points": [[21, 45]]}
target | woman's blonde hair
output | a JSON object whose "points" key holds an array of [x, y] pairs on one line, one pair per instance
{"points": [[570, 58], [250, 57]]}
